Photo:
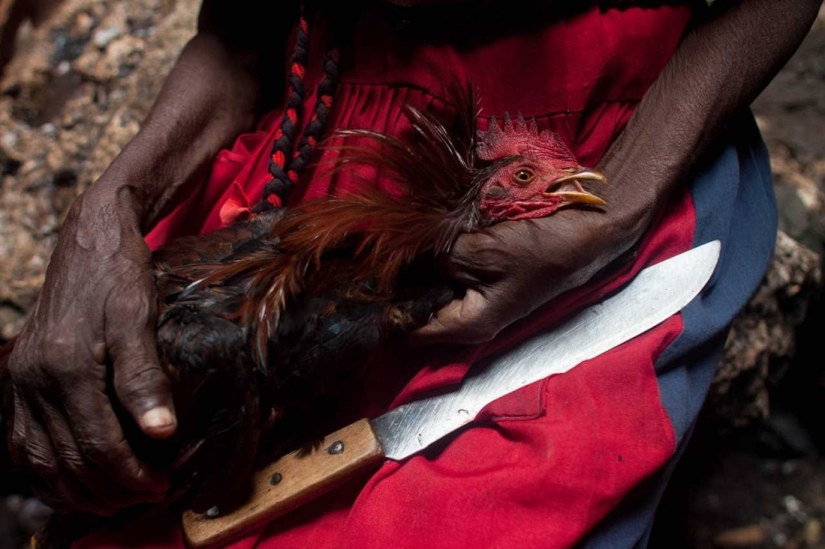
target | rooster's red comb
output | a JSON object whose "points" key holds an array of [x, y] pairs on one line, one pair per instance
{"points": [[523, 140]]}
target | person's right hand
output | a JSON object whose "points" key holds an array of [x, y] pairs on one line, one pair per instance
{"points": [[92, 329]]}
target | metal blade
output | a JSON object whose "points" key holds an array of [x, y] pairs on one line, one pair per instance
{"points": [[656, 293]]}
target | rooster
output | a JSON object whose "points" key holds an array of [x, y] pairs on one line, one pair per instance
{"points": [[263, 324]]}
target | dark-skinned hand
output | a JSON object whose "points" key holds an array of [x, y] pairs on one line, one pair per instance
{"points": [[513, 268], [92, 328]]}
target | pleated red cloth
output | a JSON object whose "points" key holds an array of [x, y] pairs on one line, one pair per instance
{"points": [[555, 457]]}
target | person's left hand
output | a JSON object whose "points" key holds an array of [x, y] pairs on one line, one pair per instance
{"points": [[515, 267]]}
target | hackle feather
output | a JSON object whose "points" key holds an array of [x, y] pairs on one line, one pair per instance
{"points": [[438, 179]]}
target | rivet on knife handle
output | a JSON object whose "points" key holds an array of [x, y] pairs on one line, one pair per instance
{"points": [[288, 483]]}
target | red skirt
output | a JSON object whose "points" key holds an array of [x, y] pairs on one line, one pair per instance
{"points": [[557, 456]]}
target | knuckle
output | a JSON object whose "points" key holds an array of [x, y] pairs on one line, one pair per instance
{"points": [[71, 462], [103, 452], [115, 458], [140, 380], [480, 329], [136, 307], [483, 334], [23, 365], [26, 377], [18, 442], [54, 359], [40, 463], [66, 373], [58, 350], [97, 450], [64, 380]]}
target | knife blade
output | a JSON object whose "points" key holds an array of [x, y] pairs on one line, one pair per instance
{"points": [[655, 294]]}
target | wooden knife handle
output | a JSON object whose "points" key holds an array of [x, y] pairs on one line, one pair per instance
{"points": [[288, 483]]}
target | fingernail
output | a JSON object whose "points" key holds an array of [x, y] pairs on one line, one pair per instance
{"points": [[158, 418]]}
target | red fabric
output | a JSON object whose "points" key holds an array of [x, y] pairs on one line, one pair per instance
{"points": [[556, 456]]}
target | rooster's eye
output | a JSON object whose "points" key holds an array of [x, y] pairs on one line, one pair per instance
{"points": [[523, 176]]}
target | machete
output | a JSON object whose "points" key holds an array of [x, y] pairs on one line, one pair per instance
{"points": [[655, 294]]}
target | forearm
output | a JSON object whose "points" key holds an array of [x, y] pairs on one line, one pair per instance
{"points": [[203, 104], [215, 91], [719, 68]]}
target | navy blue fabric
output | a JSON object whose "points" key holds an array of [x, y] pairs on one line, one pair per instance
{"points": [[734, 203]]}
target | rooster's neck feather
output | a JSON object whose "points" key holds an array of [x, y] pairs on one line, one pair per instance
{"points": [[439, 182]]}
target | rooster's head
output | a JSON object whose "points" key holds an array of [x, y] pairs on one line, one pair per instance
{"points": [[532, 174]]}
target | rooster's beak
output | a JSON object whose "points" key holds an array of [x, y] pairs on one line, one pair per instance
{"points": [[569, 188]]}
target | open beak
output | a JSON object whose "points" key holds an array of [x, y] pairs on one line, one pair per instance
{"points": [[569, 188]]}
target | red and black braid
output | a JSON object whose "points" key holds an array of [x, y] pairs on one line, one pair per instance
{"points": [[284, 166], [317, 124]]}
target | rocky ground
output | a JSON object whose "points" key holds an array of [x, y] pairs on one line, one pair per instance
{"points": [[82, 75], [754, 476]]}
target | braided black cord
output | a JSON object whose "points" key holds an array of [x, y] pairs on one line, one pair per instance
{"points": [[285, 171]]}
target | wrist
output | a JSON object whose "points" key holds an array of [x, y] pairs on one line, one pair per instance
{"points": [[105, 220], [120, 198], [633, 196]]}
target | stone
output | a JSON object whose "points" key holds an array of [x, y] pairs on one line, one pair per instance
{"points": [[762, 339]]}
